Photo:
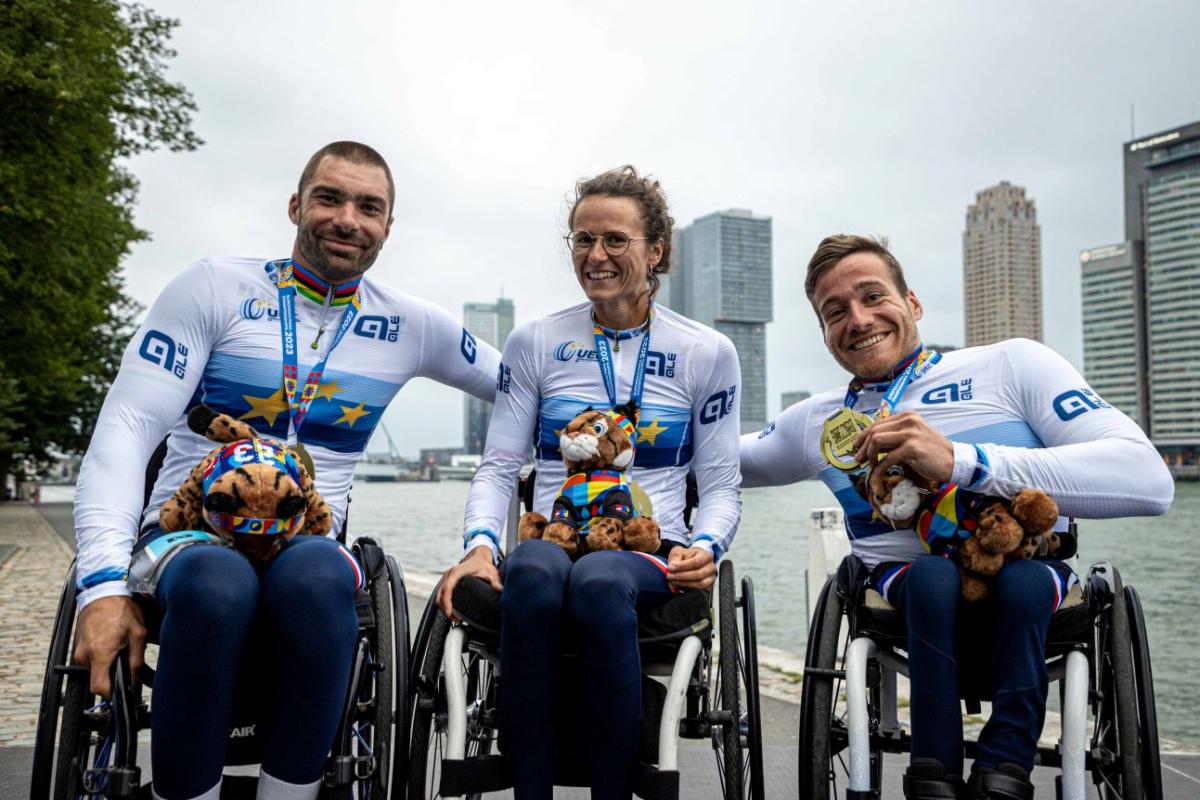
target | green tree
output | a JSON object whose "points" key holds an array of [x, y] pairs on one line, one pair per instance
{"points": [[82, 88]]}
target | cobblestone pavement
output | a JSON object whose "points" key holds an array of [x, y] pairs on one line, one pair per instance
{"points": [[30, 580]]}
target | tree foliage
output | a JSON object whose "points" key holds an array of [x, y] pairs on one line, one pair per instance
{"points": [[82, 87]]}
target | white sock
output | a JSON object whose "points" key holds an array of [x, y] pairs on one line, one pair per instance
{"points": [[271, 788], [212, 794]]}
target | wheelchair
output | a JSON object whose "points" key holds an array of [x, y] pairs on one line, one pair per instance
{"points": [[1096, 648], [97, 739], [458, 740]]}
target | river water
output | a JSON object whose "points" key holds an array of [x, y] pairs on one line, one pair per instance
{"points": [[421, 524]]}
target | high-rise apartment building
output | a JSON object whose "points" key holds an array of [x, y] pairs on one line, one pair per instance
{"points": [[723, 279], [491, 322], [1162, 220], [1114, 339], [1002, 267]]}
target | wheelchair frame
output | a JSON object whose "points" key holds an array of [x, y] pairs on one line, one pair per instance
{"points": [[97, 752], [456, 703], [1100, 656]]}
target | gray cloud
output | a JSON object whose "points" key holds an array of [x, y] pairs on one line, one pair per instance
{"points": [[866, 117]]}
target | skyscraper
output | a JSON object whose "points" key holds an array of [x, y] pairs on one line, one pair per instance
{"points": [[1162, 222], [723, 279], [491, 322], [1002, 267], [1114, 341]]}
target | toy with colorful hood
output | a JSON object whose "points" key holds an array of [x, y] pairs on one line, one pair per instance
{"points": [[596, 508], [253, 492]]}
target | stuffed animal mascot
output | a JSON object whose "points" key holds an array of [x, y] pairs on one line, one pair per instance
{"points": [[253, 492], [595, 509], [980, 532]]}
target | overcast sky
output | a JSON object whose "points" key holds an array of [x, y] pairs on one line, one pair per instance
{"points": [[881, 118]]}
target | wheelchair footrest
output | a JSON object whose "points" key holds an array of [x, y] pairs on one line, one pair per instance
{"points": [[475, 775]]}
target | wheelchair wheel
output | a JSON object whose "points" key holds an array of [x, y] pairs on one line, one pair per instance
{"points": [[1116, 745], [819, 694], [429, 715], [385, 734], [754, 752], [737, 728], [1144, 693], [57, 660]]}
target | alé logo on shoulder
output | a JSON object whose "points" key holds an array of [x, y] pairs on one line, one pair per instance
{"points": [[657, 362], [161, 350], [948, 393]]}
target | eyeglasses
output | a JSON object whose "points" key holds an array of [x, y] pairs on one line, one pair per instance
{"points": [[614, 243]]}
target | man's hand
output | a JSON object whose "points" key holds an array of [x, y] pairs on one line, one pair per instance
{"points": [[691, 567], [908, 439], [477, 564], [105, 627]]}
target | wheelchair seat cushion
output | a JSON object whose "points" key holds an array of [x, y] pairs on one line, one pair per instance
{"points": [[478, 605]]}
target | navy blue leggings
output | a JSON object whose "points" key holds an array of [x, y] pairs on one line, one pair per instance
{"points": [[999, 644], [295, 617], [599, 596]]}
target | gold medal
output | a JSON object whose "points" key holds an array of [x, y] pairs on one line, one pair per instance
{"points": [[305, 459], [838, 435], [641, 500]]}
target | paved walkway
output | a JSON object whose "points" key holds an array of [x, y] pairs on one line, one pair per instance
{"points": [[36, 548], [30, 581]]}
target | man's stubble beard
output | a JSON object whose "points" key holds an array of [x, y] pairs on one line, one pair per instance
{"points": [[310, 250]]}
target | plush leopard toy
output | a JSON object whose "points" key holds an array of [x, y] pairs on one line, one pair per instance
{"points": [[980, 532], [595, 509], [251, 491]]}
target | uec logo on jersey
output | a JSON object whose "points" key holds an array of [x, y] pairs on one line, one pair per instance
{"points": [[163, 351], [1073, 402], [573, 351], [468, 347], [718, 406], [381, 328], [253, 308]]}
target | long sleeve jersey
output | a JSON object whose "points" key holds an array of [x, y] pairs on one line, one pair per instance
{"points": [[213, 337], [1019, 416], [688, 421]]}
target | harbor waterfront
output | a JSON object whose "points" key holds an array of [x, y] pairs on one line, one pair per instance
{"points": [[421, 523]]}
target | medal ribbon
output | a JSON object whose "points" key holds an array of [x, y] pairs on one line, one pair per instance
{"points": [[605, 360], [917, 367], [285, 285]]}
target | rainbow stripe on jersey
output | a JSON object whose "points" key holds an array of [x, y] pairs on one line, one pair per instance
{"points": [[316, 288]]}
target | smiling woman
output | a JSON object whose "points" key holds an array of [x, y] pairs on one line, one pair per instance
{"points": [[680, 398]]}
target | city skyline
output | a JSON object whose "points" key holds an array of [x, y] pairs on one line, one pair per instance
{"points": [[1141, 297]]}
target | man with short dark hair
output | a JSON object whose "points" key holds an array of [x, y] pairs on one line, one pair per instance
{"points": [[309, 352], [994, 420]]}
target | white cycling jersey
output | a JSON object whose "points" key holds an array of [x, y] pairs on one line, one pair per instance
{"points": [[1019, 416], [688, 421], [213, 337]]}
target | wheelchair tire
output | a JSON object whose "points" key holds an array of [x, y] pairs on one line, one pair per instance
{"points": [[1119, 776], [818, 695], [730, 740], [52, 690], [1152, 785], [74, 738], [754, 749], [388, 741]]}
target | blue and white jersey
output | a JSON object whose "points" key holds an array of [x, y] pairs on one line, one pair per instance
{"points": [[213, 336], [1019, 416], [688, 420]]}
